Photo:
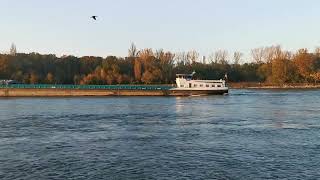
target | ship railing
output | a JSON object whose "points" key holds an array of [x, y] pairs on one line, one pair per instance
{"points": [[98, 87]]}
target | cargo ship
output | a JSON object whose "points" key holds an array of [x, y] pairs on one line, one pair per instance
{"points": [[185, 86]]}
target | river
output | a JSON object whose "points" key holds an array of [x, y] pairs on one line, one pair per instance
{"points": [[248, 134]]}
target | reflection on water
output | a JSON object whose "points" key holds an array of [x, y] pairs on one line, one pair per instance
{"points": [[248, 134]]}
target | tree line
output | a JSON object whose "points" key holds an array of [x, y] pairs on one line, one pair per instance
{"points": [[147, 66]]}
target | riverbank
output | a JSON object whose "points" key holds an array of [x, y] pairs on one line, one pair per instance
{"points": [[244, 85]]}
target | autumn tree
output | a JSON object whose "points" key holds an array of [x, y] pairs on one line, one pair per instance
{"points": [[280, 67], [182, 58], [221, 56], [270, 64], [270, 53], [211, 58], [166, 66], [144, 54], [237, 57], [151, 76], [133, 51], [315, 76], [257, 55], [317, 52], [137, 70], [304, 61], [34, 78], [193, 56], [5, 66], [49, 78]]}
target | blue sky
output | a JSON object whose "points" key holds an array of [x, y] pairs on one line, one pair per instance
{"points": [[64, 27]]}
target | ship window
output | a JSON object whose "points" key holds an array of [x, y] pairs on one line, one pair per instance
{"points": [[213, 85], [201, 85], [207, 85], [181, 85], [219, 85], [195, 85]]}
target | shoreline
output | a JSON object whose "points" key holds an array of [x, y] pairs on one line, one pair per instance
{"points": [[126, 90], [273, 86]]}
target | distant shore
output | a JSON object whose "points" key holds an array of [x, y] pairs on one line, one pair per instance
{"points": [[253, 85]]}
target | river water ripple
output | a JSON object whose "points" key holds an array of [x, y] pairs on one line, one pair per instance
{"points": [[249, 134]]}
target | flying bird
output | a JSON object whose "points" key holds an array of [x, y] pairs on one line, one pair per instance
{"points": [[94, 17]]}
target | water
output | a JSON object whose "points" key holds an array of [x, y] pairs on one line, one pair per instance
{"points": [[249, 134]]}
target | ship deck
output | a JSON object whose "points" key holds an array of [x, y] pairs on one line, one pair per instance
{"points": [[102, 87]]}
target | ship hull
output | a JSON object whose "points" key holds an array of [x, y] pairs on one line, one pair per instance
{"points": [[121, 90], [198, 92]]}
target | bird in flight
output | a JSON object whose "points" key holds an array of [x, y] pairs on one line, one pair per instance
{"points": [[94, 17]]}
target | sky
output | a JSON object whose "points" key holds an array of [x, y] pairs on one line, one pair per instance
{"points": [[64, 27]]}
